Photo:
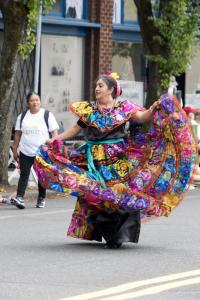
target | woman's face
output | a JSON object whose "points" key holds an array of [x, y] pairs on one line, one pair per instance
{"points": [[197, 118], [34, 103], [191, 116], [102, 92]]}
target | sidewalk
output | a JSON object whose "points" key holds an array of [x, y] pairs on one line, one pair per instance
{"points": [[31, 193]]}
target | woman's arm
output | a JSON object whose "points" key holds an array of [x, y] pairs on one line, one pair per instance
{"points": [[144, 116], [15, 146], [69, 133]]}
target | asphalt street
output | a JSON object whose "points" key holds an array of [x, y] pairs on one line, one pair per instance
{"points": [[39, 262]]}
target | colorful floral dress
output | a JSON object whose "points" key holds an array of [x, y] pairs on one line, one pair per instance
{"points": [[147, 171]]}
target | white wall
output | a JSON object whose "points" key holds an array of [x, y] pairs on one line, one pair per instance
{"points": [[62, 69]]}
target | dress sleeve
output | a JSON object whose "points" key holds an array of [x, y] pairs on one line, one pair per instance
{"points": [[17, 125], [89, 114], [53, 125], [81, 109]]}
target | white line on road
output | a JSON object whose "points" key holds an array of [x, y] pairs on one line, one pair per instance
{"points": [[133, 285], [155, 290], [20, 215]]}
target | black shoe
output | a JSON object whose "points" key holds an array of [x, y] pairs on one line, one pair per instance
{"points": [[112, 245], [40, 202], [18, 202]]}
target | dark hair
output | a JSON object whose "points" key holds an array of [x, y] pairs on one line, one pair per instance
{"points": [[28, 96], [112, 83]]}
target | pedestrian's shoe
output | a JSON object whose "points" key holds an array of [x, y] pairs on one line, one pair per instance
{"points": [[18, 202], [40, 202]]}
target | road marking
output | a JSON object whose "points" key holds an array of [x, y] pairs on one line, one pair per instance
{"points": [[133, 285], [155, 290], [20, 215]]}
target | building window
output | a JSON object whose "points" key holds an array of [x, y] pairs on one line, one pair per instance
{"points": [[130, 11], [117, 11], [128, 62], [124, 11], [57, 8], [62, 69], [74, 9]]}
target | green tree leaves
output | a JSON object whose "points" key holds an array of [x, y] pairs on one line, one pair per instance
{"points": [[34, 8], [175, 27]]}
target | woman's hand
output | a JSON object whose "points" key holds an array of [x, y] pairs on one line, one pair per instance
{"points": [[154, 106], [15, 145], [15, 154], [145, 116], [52, 139]]}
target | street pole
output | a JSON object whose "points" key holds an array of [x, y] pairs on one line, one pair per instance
{"points": [[37, 51]]}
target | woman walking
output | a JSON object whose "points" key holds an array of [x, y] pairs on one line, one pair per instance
{"points": [[32, 129]]}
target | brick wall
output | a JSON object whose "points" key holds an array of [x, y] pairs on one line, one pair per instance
{"points": [[105, 47], [92, 48], [99, 43]]}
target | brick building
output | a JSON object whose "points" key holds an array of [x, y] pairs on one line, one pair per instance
{"points": [[81, 39]]}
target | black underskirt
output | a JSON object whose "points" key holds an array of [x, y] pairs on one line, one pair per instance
{"points": [[118, 227]]}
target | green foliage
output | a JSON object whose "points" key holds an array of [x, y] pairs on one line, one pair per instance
{"points": [[177, 27], [33, 8]]}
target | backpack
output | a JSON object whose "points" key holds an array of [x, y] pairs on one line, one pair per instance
{"points": [[46, 118]]}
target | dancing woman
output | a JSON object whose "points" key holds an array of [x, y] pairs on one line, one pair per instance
{"points": [[120, 178]]}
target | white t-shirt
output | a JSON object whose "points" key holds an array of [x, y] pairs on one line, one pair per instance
{"points": [[196, 127], [34, 131]]}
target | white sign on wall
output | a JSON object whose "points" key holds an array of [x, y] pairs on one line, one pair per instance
{"points": [[132, 91], [61, 75]]}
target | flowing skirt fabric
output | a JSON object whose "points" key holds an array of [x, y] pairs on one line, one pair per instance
{"points": [[148, 172]]}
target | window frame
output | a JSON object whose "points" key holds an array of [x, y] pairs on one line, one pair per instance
{"points": [[122, 19], [62, 13]]}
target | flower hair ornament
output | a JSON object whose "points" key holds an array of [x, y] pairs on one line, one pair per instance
{"points": [[115, 76]]}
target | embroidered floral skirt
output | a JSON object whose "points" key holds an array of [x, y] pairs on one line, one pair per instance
{"points": [[147, 172]]}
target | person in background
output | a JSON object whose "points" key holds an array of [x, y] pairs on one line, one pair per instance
{"points": [[31, 131], [193, 117], [197, 120], [190, 111]]}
